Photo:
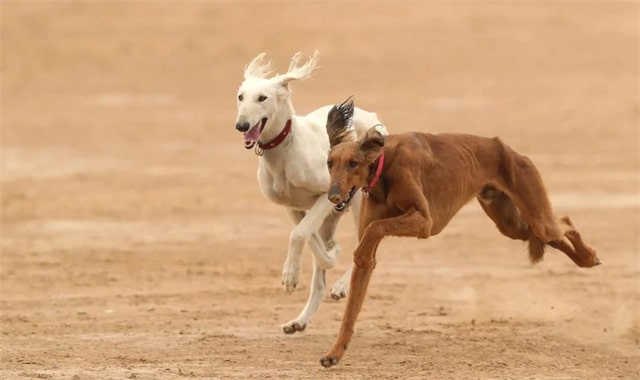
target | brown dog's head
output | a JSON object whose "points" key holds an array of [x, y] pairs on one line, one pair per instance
{"points": [[351, 161]]}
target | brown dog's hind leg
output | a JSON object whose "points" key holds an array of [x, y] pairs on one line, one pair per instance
{"points": [[523, 183], [562, 236], [572, 245], [497, 205]]}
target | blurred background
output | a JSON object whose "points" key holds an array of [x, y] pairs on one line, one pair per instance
{"points": [[136, 243]]}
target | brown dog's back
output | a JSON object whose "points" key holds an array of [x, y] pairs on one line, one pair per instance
{"points": [[452, 168]]}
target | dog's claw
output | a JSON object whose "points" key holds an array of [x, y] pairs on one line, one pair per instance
{"points": [[293, 327], [339, 290], [328, 362], [339, 296], [289, 281]]}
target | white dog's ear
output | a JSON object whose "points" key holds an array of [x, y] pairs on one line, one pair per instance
{"points": [[258, 67], [296, 71], [340, 123]]}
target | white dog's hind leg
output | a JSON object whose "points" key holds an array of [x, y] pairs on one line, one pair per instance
{"points": [[318, 281], [340, 288], [316, 294], [310, 222]]}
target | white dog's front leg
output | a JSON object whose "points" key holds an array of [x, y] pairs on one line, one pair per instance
{"points": [[291, 268], [316, 294], [310, 222]]}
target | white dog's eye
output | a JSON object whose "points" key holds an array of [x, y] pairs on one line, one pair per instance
{"points": [[240, 97], [262, 98]]}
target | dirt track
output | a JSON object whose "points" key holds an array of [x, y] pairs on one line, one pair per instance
{"points": [[136, 244]]}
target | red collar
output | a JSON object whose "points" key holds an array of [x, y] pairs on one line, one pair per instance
{"points": [[367, 189], [280, 138]]}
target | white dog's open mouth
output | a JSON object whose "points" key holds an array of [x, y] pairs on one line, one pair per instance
{"points": [[251, 136], [343, 205]]}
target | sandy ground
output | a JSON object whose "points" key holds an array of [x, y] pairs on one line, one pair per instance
{"points": [[136, 244]]}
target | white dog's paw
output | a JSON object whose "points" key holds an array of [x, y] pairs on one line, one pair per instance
{"points": [[340, 289], [294, 326], [290, 280]]}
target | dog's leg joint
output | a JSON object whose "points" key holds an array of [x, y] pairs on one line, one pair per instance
{"points": [[364, 262]]}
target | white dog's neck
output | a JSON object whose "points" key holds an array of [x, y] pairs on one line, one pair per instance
{"points": [[276, 123]]}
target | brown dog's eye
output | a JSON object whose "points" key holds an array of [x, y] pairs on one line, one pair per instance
{"points": [[262, 98], [240, 97], [352, 164], [329, 164]]}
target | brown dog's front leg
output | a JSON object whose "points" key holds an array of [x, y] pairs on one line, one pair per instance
{"points": [[412, 223], [359, 282], [364, 260]]}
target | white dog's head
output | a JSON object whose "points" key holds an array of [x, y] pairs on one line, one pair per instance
{"points": [[260, 98]]}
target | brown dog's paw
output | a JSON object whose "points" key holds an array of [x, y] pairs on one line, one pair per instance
{"points": [[566, 220], [327, 362], [587, 255]]}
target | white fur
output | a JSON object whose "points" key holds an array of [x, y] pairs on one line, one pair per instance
{"points": [[294, 174]]}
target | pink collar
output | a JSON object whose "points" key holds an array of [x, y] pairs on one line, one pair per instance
{"points": [[367, 189]]}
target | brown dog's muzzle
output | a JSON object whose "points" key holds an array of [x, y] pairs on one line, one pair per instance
{"points": [[334, 194]]}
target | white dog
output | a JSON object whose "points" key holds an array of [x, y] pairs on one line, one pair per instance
{"points": [[292, 171]]}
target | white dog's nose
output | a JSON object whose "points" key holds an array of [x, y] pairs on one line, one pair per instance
{"points": [[243, 126]]}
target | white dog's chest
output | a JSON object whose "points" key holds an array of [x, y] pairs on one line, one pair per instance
{"points": [[291, 197], [280, 187]]}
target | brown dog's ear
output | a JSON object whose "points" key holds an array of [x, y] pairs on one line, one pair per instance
{"points": [[371, 144], [339, 123]]}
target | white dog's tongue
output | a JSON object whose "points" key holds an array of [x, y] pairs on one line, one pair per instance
{"points": [[251, 136]]}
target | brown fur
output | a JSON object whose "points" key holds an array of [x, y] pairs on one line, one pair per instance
{"points": [[426, 179]]}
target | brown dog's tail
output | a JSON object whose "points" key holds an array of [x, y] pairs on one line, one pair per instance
{"points": [[536, 249]]}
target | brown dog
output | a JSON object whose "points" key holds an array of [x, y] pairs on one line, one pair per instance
{"points": [[416, 182]]}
